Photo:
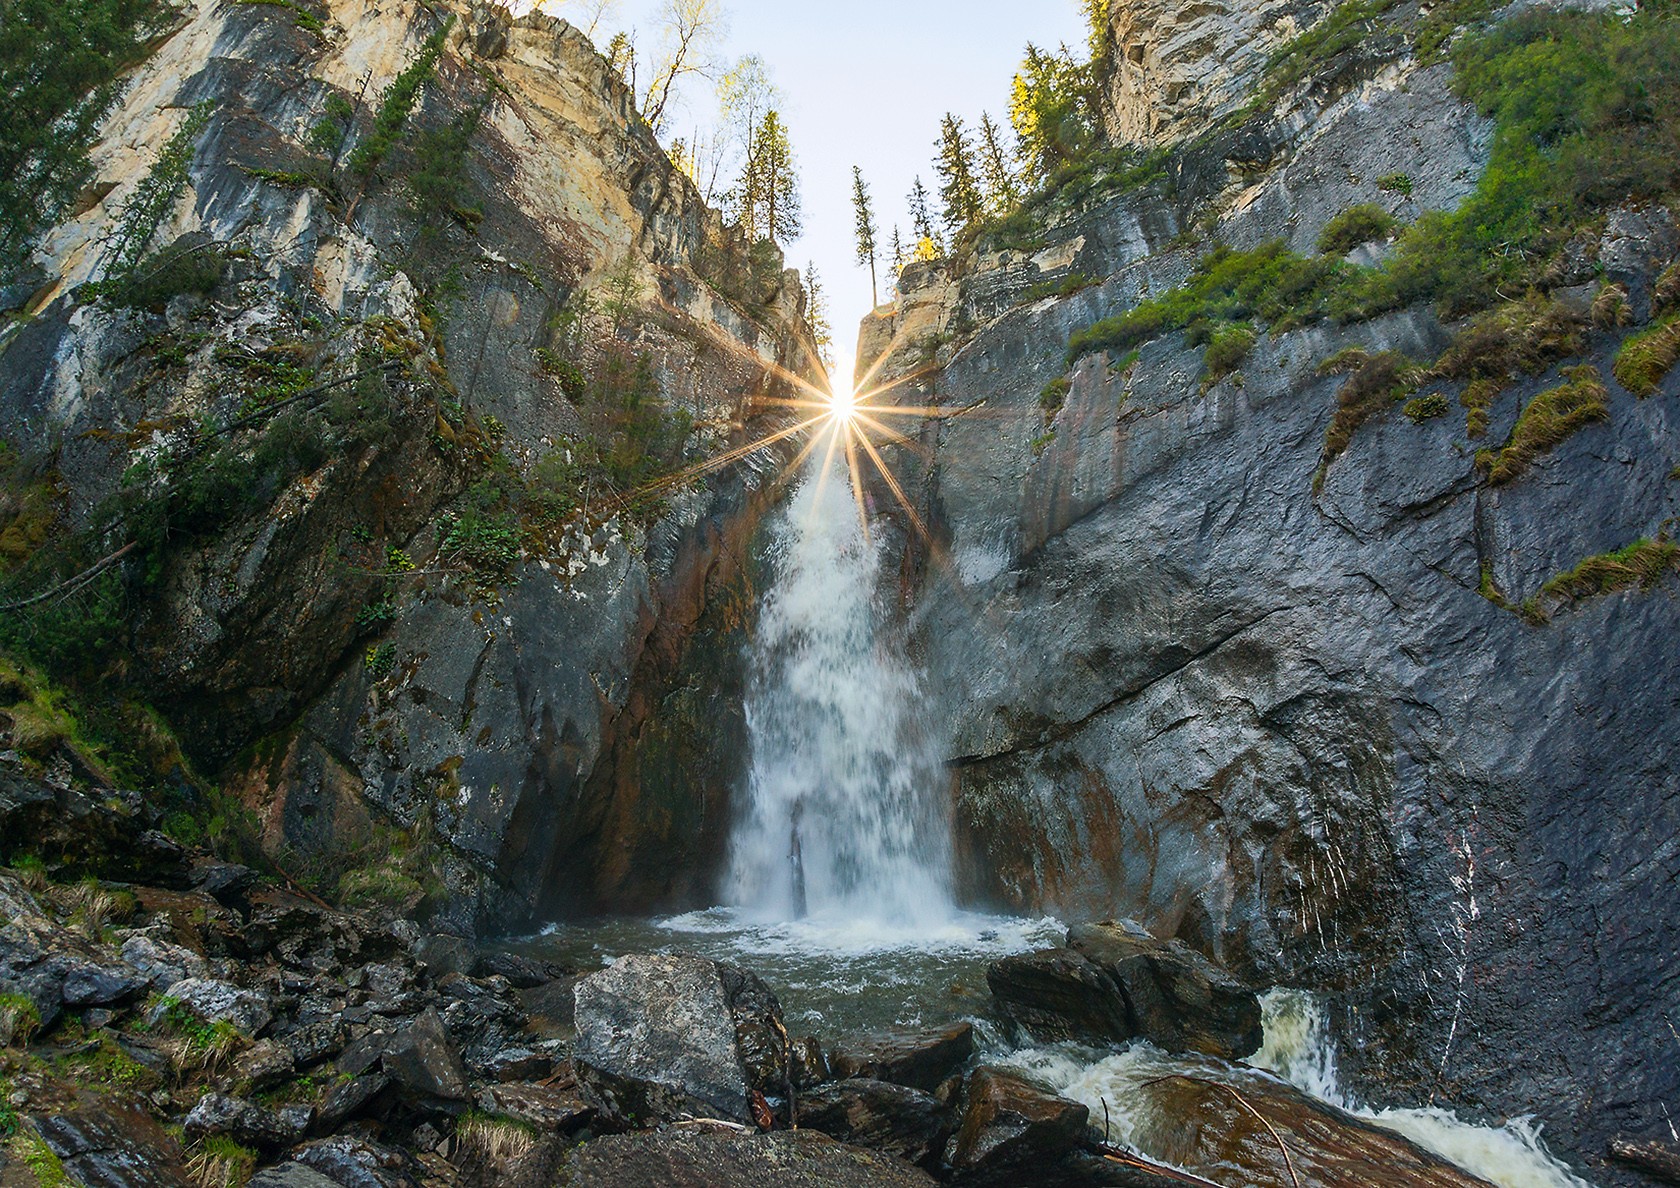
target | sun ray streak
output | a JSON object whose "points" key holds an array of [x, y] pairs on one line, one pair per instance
{"points": [[898, 491], [894, 437], [857, 480]]}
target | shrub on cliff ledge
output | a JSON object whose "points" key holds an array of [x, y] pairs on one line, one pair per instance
{"points": [[1354, 227]]}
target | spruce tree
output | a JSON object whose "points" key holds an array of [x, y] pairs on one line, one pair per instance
{"points": [[921, 222], [864, 226], [778, 180], [1001, 191], [957, 188], [816, 314]]}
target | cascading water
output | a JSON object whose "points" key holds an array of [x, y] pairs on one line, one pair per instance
{"points": [[841, 817]]}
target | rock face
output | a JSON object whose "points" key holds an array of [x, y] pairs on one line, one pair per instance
{"points": [[353, 670], [919, 1059], [1178, 67], [881, 1116], [1290, 727], [1116, 982], [663, 1037]]}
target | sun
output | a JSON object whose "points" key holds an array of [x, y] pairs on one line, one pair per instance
{"points": [[843, 405]]}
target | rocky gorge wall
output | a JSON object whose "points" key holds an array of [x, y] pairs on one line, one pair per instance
{"points": [[1289, 705], [423, 652]]}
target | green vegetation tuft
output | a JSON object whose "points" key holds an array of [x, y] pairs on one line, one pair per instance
{"points": [[1054, 396], [1641, 564], [1374, 383], [1354, 227], [1550, 418], [1396, 183], [1270, 284], [1426, 408], [216, 1161], [19, 1020], [1646, 358], [1227, 347]]}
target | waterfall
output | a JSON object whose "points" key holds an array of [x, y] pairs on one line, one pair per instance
{"points": [[842, 816]]}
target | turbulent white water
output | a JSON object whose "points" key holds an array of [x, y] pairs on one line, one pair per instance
{"points": [[1298, 1050], [842, 817]]}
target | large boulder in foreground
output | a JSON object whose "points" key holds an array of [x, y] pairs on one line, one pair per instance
{"points": [[920, 1059], [881, 1116], [663, 1037], [785, 1159], [1114, 982]]}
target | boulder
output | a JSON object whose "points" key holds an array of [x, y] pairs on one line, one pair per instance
{"points": [[919, 1059], [355, 1163], [443, 954], [222, 1002], [349, 1099], [264, 1065], [785, 1159], [525, 973], [421, 1060], [1115, 982], [247, 1122], [557, 1111], [1010, 1124], [551, 1007], [290, 1175], [108, 1146], [1180, 1000], [661, 1037], [882, 1116], [1238, 1132], [162, 963]]}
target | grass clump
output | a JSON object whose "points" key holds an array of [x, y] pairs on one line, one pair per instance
{"points": [[1054, 396], [43, 1163], [494, 1139], [1072, 283], [1396, 183], [1550, 418], [1647, 357], [1374, 383], [1271, 284], [1610, 308], [1641, 564], [1227, 347], [1665, 294], [19, 1020], [219, 1162], [1353, 227], [1426, 408]]}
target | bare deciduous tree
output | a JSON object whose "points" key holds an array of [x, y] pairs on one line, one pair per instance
{"points": [[691, 32]]}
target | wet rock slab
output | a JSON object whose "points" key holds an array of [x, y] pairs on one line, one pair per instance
{"points": [[882, 1116], [919, 1059], [102, 1146], [786, 1159], [1115, 982]]}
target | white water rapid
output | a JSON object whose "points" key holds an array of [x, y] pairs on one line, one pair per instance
{"points": [[841, 821]]}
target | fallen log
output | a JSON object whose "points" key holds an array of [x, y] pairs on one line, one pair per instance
{"points": [[1659, 1160]]}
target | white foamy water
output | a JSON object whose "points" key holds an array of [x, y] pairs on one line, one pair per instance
{"points": [[1297, 1049], [842, 819]]}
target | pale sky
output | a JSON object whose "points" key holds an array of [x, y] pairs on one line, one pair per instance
{"points": [[867, 82]]}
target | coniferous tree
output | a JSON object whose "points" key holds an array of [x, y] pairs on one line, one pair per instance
{"points": [[958, 189], [1050, 108], [864, 227], [897, 250], [1001, 190], [59, 65], [921, 222], [816, 314], [772, 183]]}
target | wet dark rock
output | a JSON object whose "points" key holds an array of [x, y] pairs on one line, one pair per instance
{"points": [[525, 973], [87, 983], [786, 1159], [1058, 994], [1180, 1000], [1115, 982], [421, 1060], [919, 1059], [551, 1007], [312, 1042], [808, 1062], [227, 882], [247, 1122], [108, 1146], [443, 954], [884, 1117], [1659, 1160], [87, 832], [290, 1175], [349, 1099], [161, 963], [222, 1002], [558, 1111], [356, 1163], [508, 1064], [660, 1037], [1010, 1124]]}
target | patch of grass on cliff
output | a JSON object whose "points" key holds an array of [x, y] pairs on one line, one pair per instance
{"points": [[1551, 418], [1374, 383], [1646, 358], [1642, 564], [1522, 337], [1587, 116], [1270, 284]]}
